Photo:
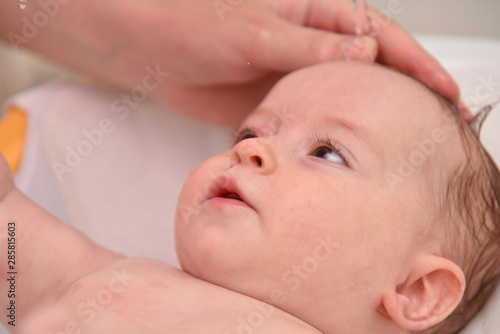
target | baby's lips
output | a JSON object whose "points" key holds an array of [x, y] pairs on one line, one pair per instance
{"points": [[219, 185], [225, 184]]}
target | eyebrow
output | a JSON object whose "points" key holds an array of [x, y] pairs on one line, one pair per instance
{"points": [[360, 133]]}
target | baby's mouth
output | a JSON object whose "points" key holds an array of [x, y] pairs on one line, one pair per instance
{"points": [[226, 187], [232, 196]]}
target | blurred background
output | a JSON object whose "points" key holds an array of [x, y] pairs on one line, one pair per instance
{"points": [[457, 17], [19, 71]]}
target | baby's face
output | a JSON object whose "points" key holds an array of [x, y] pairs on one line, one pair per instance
{"points": [[317, 206]]}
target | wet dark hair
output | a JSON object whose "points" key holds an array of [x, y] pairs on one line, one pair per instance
{"points": [[470, 210]]}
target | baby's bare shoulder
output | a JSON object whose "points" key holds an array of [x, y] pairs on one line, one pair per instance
{"points": [[143, 295]]}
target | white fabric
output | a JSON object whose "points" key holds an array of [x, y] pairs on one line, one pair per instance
{"points": [[123, 193]]}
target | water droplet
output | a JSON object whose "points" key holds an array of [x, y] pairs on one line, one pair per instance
{"points": [[23, 4]]}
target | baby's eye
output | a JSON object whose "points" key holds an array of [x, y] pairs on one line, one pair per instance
{"points": [[328, 154], [242, 135], [327, 150]]}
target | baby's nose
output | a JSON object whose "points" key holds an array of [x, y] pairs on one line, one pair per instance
{"points": [[255, 152]]}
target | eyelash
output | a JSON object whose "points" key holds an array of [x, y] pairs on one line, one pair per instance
{"points": [[324, 140], [240, 135], [319, 141]]}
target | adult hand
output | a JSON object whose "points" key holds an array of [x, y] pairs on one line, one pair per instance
{"points": [[221, 56]]}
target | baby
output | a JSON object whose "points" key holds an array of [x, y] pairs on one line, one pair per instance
{"points": [[353, 200]]}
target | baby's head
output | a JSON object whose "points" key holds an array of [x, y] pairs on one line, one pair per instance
{"points": [[355, 199]]}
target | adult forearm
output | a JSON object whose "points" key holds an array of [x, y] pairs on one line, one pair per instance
{"points": [[85, 35]]}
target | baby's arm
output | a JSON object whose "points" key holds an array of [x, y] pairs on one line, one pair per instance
{"points": [[49, 255]]}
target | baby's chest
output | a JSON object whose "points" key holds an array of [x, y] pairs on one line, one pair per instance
{"points": [[138, 298]]}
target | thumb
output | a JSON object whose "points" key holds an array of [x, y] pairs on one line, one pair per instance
{"points": [[286, 47]]}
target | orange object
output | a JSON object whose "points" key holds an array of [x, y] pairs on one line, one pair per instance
{"points": [[12, 135]]}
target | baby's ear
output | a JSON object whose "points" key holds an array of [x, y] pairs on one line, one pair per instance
{"points": [[430, 293]]}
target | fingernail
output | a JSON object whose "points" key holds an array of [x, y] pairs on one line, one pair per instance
{"points": [[360, 48]]}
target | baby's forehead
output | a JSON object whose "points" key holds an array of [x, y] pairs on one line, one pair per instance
{"points": [[371, 96]]}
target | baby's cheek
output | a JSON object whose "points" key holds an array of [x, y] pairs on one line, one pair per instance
{"points": [[196, 189]]}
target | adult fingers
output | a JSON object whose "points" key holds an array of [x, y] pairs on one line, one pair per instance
{"points": [[465, 111], [283, 46], [399, 49]]}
